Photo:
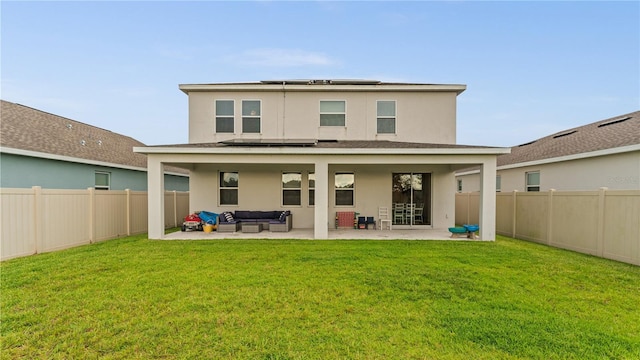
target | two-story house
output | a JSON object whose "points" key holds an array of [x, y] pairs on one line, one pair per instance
{"points": [[317, 147]]}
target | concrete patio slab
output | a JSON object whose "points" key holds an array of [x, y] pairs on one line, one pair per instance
{"points": [[334, 234]]}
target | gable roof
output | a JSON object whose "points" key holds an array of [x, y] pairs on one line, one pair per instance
{"points": [[615, 132], [30, 130]]}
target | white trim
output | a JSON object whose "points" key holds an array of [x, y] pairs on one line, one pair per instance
{"points": [[243, 116], [228, 150], [395, 117], [457, 88], [320, 113], [282, 188], [41, 155], [215, 116], [585, 155]]}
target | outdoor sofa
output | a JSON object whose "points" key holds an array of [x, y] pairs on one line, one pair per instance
{"points": [[275, 221]]}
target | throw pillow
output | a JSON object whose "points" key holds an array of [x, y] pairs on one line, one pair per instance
{"points": [[228, 216], [283, 216]]}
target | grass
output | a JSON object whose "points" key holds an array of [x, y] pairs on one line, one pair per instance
{"points": [[134, 298]]}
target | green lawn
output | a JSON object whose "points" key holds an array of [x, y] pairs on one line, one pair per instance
{"points": [[303, 299]]}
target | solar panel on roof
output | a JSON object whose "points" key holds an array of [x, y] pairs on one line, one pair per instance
{"points": [[270, 142]]}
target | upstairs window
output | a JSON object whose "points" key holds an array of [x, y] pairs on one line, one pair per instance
{"points": [[251, 116], [345, 188], [333, 112], [291, 188], [386, 117], [103, 180], [229, 188], [532, 181], [224, 116], [498, 183]]}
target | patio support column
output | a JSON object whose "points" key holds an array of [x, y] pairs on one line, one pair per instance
{"points": [[155, 197], [488, 200], [320, 223]]}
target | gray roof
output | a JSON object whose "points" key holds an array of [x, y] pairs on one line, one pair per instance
{"points": [[326, 144], [25, 128], [615, 132]]}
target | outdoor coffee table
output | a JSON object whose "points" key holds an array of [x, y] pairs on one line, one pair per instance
{"points": [[251, 227]]}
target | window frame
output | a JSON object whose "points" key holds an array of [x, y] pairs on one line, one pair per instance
{"points": [[344, 112], [257, 116], [380, 117], [102, 187], [311, 201], [291, 189], [219, 117], [337, 189], [529, 187], [222, 188]]}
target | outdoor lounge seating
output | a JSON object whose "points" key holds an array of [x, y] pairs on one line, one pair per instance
{"points": [[468, 231], [277, 221]]}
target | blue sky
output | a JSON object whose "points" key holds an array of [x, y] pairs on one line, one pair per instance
{"points": [[531, 68]]}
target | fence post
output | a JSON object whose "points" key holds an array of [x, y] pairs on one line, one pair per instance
{"points": [[600, 228], [550, 216], [38, 219], [128, 205], [92, 214], [514, 206]]}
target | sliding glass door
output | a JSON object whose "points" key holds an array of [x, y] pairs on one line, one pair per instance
{"points": [[411, 196]]}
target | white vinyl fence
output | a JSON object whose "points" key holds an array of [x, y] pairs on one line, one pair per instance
{"points": [[604, 223], [39, 220]]}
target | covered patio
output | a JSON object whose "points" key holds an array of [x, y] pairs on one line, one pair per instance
{"points": [[372, 165]]}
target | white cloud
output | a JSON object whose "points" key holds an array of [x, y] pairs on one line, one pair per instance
{"points": [[281, 58]]}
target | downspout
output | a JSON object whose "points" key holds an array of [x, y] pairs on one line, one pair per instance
{"points": [[284, 107]]}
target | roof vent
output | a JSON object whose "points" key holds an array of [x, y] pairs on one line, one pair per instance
{"points": [[99, 142], [529, 143], [615, 121], [564, 134], [83, 143], [69, 126]]}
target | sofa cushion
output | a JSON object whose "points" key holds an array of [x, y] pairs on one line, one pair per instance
{"points": [[283, 215], [267, 214], [243, 214]]}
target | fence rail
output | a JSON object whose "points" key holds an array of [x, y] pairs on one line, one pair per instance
{"points": [[39, 220], [604, 223]]}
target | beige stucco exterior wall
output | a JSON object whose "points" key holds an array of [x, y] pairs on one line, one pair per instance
{"points": [[428, 117], [260, 189], [615, 172]]}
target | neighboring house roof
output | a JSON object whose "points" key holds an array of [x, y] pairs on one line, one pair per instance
{"points": [[615, 132], [32, 131]]}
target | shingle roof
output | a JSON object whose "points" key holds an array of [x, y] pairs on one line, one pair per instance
{"points": [[24, 128], [333, 144], [615, 132]]}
